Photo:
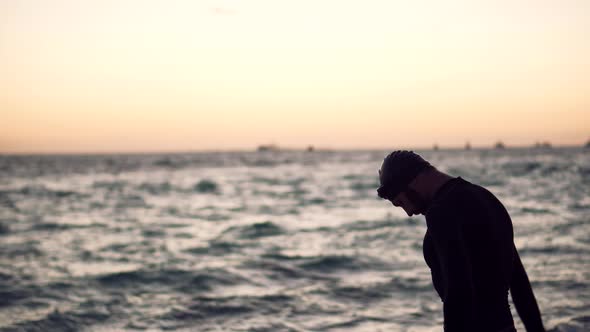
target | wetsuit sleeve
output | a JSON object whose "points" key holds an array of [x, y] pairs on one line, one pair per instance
{"points": [[523, 297], [458, 290]]}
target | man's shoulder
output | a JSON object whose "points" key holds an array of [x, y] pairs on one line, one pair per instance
{"points": [[466, 203], [460, 193], [458, 202], [454, 193]]}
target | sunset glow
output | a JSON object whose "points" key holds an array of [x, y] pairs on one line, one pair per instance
{"points": [[110, 76]]}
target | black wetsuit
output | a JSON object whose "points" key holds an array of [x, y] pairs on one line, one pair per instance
{"points": [[470, 250]]}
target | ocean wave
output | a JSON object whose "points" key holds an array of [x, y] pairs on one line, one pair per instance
{"points": [[572, 226], [4, 228], [253, 231], [206, 186], [560, 284], [277, 210], [187, 213], [411, 284], [158, 188], [360, 294], [365, 186], [281, 194], [205, 308], [71, 320], [51, 226], [5, 200], [584, 172], [153, 232], [272, 327], [216, 248], [56, 321], [110, 185], [313, 201], [366, 293], [281, 271], [368, 225], [184, 281], [579, 206], [265, 180], [22, 292], [350, 323], [532, 210], [520, 168], [27, 249], [353, 177], [575, 324], [209, 278], [7, 279], [491, 182], [552, 169], [40, 191], [13, 295], [168, 162], [364, 225], [552, 249], [214, 217], [178, 212], [294, 182], [131, 202], [333, 263]]}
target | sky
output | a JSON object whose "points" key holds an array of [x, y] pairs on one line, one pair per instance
{"points": [[146, 75]]}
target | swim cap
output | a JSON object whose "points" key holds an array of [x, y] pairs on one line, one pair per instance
{"points": [[399, 168]]}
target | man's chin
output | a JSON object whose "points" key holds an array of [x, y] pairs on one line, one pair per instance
{"points": [[415, 213]]}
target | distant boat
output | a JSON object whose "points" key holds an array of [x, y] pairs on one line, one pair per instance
{"points": [[467, 146], [269, 147], [543, 145], [310, 148], [587, 145], [499, 145], [435, 147]]}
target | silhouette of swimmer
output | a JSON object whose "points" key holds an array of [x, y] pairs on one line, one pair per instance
{"points": [[468, 246]]}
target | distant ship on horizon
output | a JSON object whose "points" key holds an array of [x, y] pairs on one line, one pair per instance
{"points": [[543, 145], [268, 147], [276, 148], [499, 145]]}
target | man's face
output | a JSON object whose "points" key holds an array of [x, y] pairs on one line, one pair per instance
{"points": [[411, 201]]}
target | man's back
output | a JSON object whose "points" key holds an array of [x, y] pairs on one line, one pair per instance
{"points": [[469, 248]]}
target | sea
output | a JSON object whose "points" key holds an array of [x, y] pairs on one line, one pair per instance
{"points": [[266, 241]]}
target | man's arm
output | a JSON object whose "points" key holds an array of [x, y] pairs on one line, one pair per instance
{"points": [[458, 292], [523, 297]]}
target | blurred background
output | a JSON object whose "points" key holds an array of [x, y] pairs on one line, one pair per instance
{"points": [[212, 165]]}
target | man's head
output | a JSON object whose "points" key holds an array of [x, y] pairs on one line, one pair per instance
{"points": [[398, 170]]}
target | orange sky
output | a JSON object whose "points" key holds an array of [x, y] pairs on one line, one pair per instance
{"points": [[139, 75]]}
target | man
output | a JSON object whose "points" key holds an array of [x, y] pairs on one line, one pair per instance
{"points": [[468, 246]]}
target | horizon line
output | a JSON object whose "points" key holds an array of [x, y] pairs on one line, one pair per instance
{"points": [[291, 149]]}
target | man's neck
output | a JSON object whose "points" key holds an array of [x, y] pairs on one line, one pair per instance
{"points": [[429, 182]]}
